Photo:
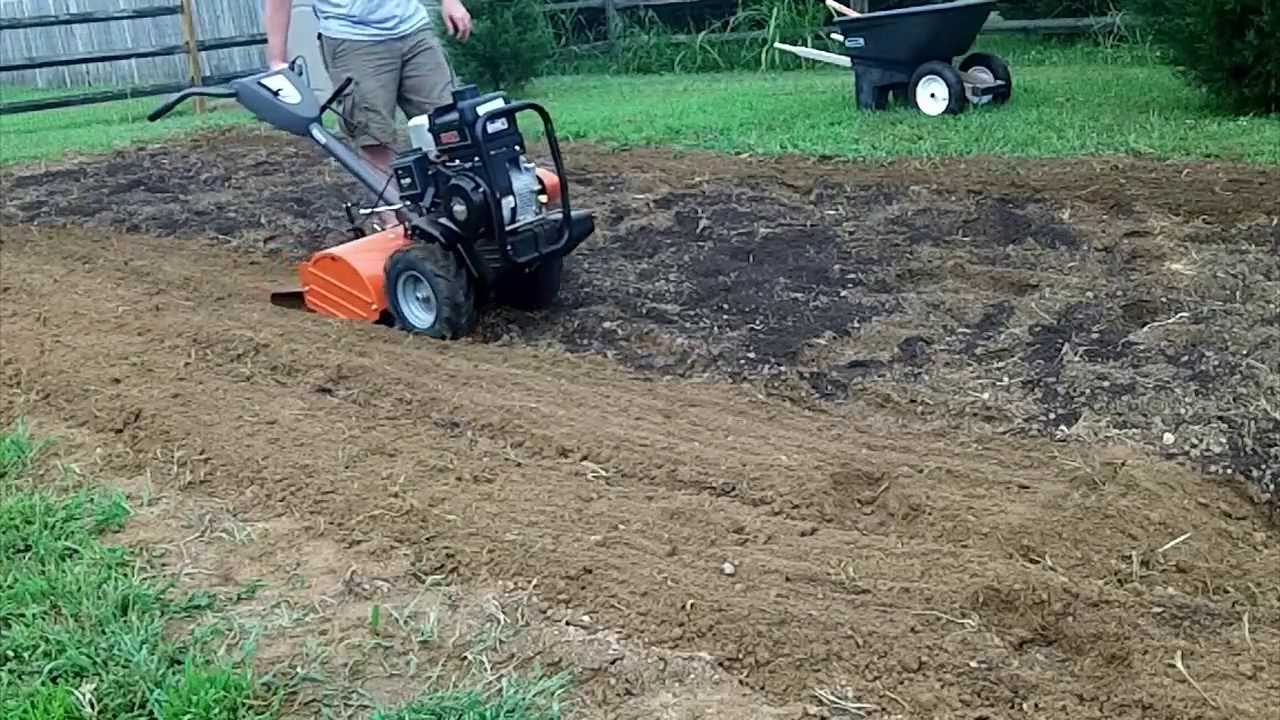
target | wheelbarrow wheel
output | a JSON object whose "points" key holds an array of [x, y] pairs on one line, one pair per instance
{"points": [[990, 67], [938, 89]]}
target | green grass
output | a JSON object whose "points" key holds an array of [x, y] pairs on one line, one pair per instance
{"points": [[1069, 101], [513, 700], [96, 128], [1071, 98], [84, 635], [1057, 111], [81, 635]]}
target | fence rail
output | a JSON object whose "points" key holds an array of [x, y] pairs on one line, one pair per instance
{"points": [[86, 18], [1054, 26], [113, 56], [568, 5]]}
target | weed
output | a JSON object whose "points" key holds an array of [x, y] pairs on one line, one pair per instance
{"points": [[540, 698], [17, 451]]}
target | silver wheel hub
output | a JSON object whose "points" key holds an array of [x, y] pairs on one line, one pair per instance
{"points": [[416, 299], [933, 95], [985, 77]]}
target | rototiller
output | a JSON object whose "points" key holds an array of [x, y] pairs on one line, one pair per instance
{"points": [[479, 222], [910, 52]]}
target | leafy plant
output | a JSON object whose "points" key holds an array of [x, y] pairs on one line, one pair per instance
{"points": [[511, 43], [1228, 47]]}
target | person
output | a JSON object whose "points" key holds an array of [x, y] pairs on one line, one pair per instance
{"points": [[392, 54]]}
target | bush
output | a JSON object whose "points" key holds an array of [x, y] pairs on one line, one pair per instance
{"points": [[511, 43], [1228, 47]]}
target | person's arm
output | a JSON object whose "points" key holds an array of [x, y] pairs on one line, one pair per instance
{"points": [[275, 19]]}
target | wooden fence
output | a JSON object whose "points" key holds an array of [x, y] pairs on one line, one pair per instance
{"points": [[137, 48], [121, 39], [141, 24]]}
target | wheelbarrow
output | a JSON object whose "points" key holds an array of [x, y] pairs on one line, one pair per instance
{"points": [[910, 52]]}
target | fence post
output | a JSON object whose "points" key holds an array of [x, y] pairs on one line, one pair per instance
{"points": [[194, 71], [613, 23]]}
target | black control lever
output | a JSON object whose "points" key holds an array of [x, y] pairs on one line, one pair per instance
{"points": [[337, 93], [176, 100]]}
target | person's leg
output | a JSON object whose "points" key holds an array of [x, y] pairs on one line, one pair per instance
{"points": [[369, 105], [427, 81]]}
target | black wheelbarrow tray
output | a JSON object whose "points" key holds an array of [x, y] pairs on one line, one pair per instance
{"points": [[911, 52]]}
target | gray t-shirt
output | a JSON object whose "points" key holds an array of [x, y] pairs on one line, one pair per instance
{"points": [[369, 19]]}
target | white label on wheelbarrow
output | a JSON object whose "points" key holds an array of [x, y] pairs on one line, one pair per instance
{"points": [[855, 42]]}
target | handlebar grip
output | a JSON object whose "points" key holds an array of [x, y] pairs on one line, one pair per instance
{"points": [[173, 102], [168, 106]]}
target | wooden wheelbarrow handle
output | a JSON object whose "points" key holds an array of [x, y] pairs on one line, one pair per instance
{"points": [[837, 8]]}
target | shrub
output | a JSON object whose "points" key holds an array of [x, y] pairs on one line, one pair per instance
{"points": [[511, 43], [1228, 47]]}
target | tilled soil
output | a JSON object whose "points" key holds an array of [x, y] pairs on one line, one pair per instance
{"points": [[879, 428], [941, 574], [1084, 299]]}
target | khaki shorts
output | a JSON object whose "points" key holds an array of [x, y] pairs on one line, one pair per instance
{"points": [[411, 72]]}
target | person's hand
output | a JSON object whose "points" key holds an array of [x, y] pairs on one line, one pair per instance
{"points": [[456, 19]]}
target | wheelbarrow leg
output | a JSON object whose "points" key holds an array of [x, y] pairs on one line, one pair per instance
{"points": [[873, 86]]}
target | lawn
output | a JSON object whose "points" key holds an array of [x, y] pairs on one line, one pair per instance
{"points": [[1057, 111], [1067, 102]]}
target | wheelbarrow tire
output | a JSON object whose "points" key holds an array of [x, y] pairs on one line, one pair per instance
{"points": [[997, 68], [937, 89]]}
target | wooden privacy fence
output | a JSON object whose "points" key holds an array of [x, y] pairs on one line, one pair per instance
{"points": [[191, 47]]}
